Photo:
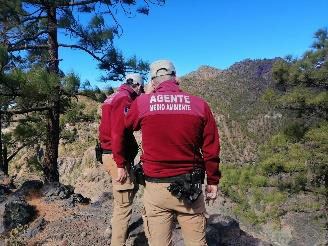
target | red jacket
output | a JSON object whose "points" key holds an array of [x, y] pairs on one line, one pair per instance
{"points": [[178, 133], [112, 132]]}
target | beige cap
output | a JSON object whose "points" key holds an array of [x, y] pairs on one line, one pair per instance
{"points": [[135, 77], [161, 67]]}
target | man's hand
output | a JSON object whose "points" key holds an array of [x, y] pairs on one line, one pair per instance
{"points": [[211, 192], [121, 175]]}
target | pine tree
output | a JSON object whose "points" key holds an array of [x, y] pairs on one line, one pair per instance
{"points": [[29, 32], [301, 90], [302, 83]]}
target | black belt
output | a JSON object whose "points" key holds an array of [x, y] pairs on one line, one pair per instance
{"points": [[107, 151], [166, 179]]}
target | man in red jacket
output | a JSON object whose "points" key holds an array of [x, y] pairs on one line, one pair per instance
{"points": [[180, 139], [119, 149]]}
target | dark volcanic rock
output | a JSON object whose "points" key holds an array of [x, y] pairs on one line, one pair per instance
{"points": [[57, 190], [4, 191], [17, 212], [29, 187], [225, 231], [77, 198]]}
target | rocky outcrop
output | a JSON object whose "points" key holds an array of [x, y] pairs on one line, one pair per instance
{"points": [[16, 209], [86, 175], [17, 212]]}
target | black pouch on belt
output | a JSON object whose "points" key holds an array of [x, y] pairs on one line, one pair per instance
{"points": [[137, 174], [99, 152], [189, 187]]}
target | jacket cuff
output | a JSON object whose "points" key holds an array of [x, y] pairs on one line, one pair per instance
{"points": [[213, 172], [212, 182]]}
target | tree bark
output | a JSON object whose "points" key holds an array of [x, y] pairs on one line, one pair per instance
{"points": [[51, 155], [1, 152], [5, 160]]}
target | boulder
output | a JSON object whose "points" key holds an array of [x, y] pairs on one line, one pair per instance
{"points": [[77, 199], [223, 230], [17, 212], [29, 187], [4, 192], [57, 190]]}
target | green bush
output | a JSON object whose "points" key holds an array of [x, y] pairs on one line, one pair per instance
{"points": [[273, 164], [299, 183], [34, 165], [260, 181], [69, 135]]}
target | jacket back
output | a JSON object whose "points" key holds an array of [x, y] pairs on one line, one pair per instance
{"points": [[112, 132], [179, 132]]}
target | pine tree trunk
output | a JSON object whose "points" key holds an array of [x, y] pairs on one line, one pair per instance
{"points": [[51, 155], [5, 165], [1, 152]]}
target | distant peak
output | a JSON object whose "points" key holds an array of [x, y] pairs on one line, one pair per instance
{"points": [[206, 68], [205, 72]]}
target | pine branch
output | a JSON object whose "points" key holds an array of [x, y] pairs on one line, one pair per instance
{"points": [[116, 21], [33, 18], [71, 4], [73, 46], [7, 84], [17, 150], [10, 94], [24, 111], [159, 2], [27, 47], [41, 9], [30, 38]]}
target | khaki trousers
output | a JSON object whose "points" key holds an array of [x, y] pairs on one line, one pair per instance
{"points": [[123, 198], [161, 207]]}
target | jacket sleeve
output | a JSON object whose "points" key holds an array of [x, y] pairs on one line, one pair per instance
{"points": [[118, 131], [132, 120], [211, 147], [104, 129]]}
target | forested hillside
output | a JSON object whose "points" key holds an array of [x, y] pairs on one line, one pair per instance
{"points": [[235, 95], [272, 116]]}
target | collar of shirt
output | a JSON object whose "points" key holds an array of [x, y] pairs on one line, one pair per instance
{"points": [[129, 90], [169, 85]]}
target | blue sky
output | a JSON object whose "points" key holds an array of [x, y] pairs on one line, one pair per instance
{"points": [[217, 33]]}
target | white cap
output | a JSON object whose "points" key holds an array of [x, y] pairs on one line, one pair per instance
{"points": [[135, 77], [161, 67]]}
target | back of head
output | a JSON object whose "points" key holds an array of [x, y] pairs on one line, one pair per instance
{"points": [[161, 68], [134, 79], [160, 71]]}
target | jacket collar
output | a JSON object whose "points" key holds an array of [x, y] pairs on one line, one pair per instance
{"points": [[129, 90], [168, 85]]}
